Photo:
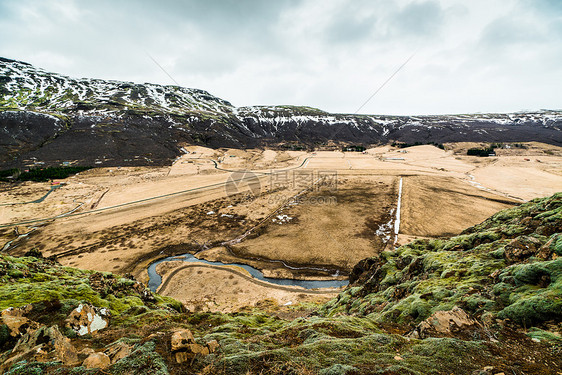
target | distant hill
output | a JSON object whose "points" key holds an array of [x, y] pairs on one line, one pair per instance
{"points": [[51, 118]]}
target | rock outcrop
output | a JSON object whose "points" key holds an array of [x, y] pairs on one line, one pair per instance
{"points": [[117, 351], [444, 323], [43, 345], [97, 360], [185, 348], [86, 319], [522, 248], [16, 321]]}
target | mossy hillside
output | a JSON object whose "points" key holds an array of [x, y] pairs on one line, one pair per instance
{"points": [[369, 353], [29, 280], [258, 343], [253, 343], [509, 265]]}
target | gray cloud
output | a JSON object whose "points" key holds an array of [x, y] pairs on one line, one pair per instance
{"points": [[348, 28], [507, 31], [472, 56], [422, 19]]}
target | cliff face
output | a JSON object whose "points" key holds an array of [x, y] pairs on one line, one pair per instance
{"points": [[55, 118], [484, 302]]}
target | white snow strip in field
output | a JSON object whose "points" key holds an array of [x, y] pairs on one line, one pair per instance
{"points": [[384, 231], [397, 221]]}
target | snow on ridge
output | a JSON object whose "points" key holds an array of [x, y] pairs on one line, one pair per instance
{"points": [[32, 87]]}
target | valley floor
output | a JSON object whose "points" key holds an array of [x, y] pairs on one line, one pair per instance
{"points": [[318, 212]]}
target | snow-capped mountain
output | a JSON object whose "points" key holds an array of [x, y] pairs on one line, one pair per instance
{"points": [[28, 88], [54, 118]]}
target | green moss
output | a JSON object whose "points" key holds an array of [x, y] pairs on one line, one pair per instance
{"points": [[338, 369], [33, 280], [319, 353], [542, 335], [16, 274], [502, 291], [534, 309], [537, 272], [143, 360], [33, 368]]}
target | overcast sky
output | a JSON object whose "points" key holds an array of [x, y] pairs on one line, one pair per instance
{"points": [[468, 56]]}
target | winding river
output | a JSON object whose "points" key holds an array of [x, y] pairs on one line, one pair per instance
{"points": [[155, 279]]}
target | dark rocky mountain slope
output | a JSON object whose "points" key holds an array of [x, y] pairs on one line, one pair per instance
{"points": [[54, 118]]}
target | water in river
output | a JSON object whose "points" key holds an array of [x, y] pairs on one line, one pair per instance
{"points": [[155, 279]]}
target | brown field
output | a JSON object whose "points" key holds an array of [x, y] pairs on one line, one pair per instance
{"points": [[125, 218], [203, 288], [438, 206], [329, 228]]}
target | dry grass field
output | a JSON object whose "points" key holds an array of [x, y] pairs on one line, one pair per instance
{"points": [[328, 228], [122, 219], [228, 289]]}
